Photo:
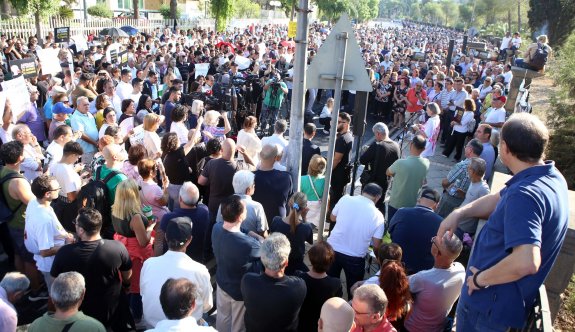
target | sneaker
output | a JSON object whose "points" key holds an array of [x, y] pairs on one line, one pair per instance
{"points": [[38, 295]]}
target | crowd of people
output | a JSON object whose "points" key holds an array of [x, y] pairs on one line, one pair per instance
{"points": [[121, 183]]}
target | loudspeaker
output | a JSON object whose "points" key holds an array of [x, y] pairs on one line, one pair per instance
{"points": [[360, 111]]}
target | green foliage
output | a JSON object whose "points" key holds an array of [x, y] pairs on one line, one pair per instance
{"points": [[100, 10], [42, 8], [556, 18], [562, 117], [166, 14], [221, 11], [246, 9], [66, 12]]}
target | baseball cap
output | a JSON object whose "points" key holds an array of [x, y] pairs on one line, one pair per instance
{"points": [[502, 99], [430, 194], [179, 230], [60, 108]]}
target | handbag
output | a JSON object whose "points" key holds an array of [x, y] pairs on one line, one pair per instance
{"points": [[314, 207], [368, 175]]}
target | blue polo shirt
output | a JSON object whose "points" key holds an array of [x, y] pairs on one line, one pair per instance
{"points": [[533, 209], [200, 217], [87, 124]]}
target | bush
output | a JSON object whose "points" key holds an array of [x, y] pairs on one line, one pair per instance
{"points": [[66, 12], [561, 119], [100, 10], [165, 12]]}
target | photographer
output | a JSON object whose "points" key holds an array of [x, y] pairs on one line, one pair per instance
{"points": [[275, 90]]}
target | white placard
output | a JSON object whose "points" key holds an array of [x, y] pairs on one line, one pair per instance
{"points": [[262, 49], [48, 58], [202, 69], [16, 91], [2, 105], [114, 46], [243, 62], [81, 43]]}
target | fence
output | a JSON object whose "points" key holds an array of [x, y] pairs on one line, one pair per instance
{"points": [[25, 28]]}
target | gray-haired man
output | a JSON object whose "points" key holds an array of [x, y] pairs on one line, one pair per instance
{"points": [[263, 292]]}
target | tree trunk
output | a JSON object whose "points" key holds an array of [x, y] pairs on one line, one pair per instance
{"points": [[292, 10], [136, 6], [509, 20], [38, 27], [5, 9], [519, 15], [173, 9]]}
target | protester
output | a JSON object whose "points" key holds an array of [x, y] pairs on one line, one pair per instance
{"points": [[336, 316], [12, 288], [370, 304]]}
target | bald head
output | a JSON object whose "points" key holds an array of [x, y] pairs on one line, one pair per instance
{"points": [[336, 316], [113, 153], [269, 152], [228, 149]]}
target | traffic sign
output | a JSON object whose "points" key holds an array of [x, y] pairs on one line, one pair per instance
{"points": [[322, 70]]}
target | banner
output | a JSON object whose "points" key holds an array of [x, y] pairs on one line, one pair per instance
{"points": [[26, 67], [292, 28], [49, 62], [62, 35], [16, 91], [123, 58], [202, 69], [114, 56]]}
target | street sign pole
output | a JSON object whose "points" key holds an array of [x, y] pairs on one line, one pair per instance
{"points": [[341, 38], [298, 96]]}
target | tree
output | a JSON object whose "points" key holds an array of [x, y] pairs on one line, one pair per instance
{"points": [[173, 9], [166, 12], [38, 8], [555, 18], [222, 11], [246, 9], [332, 9], [100, 10], [136, 8]]}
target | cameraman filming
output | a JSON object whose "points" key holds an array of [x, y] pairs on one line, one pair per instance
{"points": [[275, 90]]}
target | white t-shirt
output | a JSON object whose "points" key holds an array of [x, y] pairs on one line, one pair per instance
{"points": [[55, 151], [277, 140], [358, 221], [496, 115], [124, 91], [181, 130], [42, 232], [436, 290], [252, 145], [431, 130], [172, 264], [67, 178], [152, 143]]}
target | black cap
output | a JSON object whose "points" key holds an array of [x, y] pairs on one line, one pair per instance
{"points": [[179, 230], [430, 194]]}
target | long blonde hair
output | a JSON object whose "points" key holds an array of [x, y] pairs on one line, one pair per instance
{"points": [[127, 201], [297, 202]]}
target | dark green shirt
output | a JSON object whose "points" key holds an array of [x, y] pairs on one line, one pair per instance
{"points": [[80, 323]]}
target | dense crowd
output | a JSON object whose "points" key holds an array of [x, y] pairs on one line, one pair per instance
{"points": [[123, 181]]}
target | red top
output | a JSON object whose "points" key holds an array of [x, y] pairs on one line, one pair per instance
{"points": [[415, 106], [384, 326]]}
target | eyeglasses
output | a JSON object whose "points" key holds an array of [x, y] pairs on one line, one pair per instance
{"points": [[55, 189], [435, 244]]}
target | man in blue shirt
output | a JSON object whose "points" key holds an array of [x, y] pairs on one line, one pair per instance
{"points": [[82, 121], [518, 245], [412, 227]]}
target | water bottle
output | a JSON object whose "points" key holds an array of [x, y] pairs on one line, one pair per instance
{"points": [[453, 189]]}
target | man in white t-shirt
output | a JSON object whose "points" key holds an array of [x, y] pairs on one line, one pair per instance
{"points": [[496, 116], [54, 152], [174, 264], [438, 288], [124, 88], [43, 233], [66, 173], [358, 223]]}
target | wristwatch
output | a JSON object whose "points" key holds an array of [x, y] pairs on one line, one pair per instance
{"points": [[475, 280]]}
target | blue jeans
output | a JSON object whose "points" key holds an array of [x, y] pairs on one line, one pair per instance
{"points": [[268, 118], [136, 305], [470, 320], [353, 267]]}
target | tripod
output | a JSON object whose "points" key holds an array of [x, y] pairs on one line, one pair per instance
{"points": [[404, 131]]}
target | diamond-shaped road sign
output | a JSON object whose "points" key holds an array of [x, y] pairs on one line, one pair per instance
{"points": [[322, 70]]}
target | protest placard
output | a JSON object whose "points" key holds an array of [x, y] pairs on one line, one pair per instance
{"points": [[62, 35], [26, 67], [16, 91], [202, 69], [123, 58], [114, 56], [49, 62]]}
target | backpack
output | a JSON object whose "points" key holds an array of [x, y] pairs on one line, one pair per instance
{"points": [[539, 60], [95, 194], [6, 213]]}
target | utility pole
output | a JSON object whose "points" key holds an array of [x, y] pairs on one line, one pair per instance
{"points": [[298, 95]]}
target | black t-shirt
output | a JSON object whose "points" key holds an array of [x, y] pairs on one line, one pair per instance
{"points": [[272, 304], [318, 291], [343, 144], [303, 233], [100, 262], [197, 153], [273, 189], [388, 154], [176, 167]]}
